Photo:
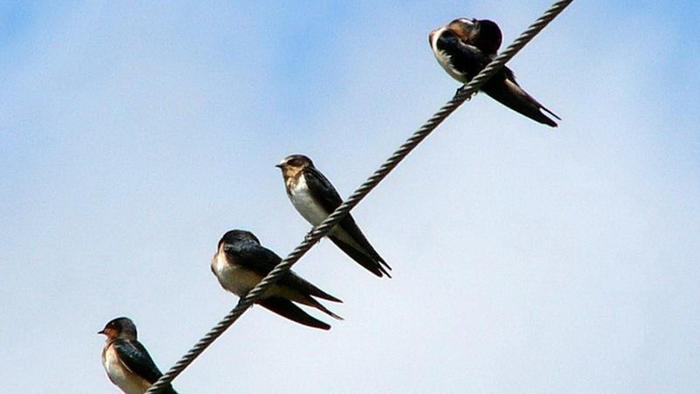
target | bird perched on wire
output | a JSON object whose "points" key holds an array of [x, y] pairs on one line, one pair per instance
{"points": [[126, 360], [241, 262], [314, 197], [465, 46]]}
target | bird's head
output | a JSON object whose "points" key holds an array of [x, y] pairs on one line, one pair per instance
{"points": [[485, 35], [234, 236], [121, 327], [293, 165]]}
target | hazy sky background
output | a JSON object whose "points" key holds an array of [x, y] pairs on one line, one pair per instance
{"points": [[133, 135]]}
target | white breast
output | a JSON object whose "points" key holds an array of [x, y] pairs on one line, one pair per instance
{"points": [[235, 279], [121, 376], [304, 202], [445, 60]]}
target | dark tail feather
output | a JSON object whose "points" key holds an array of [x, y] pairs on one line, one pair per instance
{"points": [[322, 308], [514, 97], [373, 265], [286, 308], [316, 292]]}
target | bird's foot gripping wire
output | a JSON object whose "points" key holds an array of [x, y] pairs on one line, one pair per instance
{"points": [[460, 91]]}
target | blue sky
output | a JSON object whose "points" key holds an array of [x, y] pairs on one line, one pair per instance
{"points": [[132, 136]]}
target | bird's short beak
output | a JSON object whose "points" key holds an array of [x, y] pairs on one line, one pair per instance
{"points": [[279, 165], [102, 332]]}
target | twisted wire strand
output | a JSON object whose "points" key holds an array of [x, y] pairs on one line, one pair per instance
{"points": [[463, 93]]}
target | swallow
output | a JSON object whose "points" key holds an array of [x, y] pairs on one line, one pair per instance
{"points": [[314, 197], [464, 47], [126, 360], [241, 262]]}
